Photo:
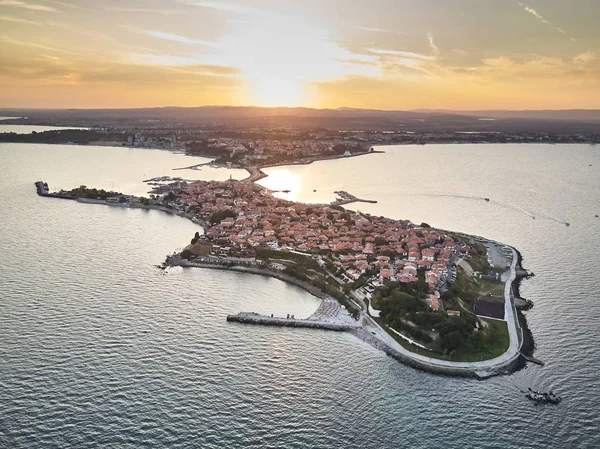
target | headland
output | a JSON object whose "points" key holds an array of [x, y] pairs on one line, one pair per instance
{"points": [[437, 300]]}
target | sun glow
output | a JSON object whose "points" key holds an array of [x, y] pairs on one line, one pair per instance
{"points": [[280, 56], [274, 91], [282, 179]]}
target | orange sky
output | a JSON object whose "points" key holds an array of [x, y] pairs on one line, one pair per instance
{"points": [[387, 54]]}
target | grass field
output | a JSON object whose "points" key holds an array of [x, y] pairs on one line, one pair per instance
{"points": [[493, 290], [498, 344]]}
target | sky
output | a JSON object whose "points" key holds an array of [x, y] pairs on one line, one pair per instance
{"points": [[379, 54]]}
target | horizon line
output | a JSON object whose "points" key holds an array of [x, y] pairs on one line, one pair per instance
{"points": [[424, 110]]}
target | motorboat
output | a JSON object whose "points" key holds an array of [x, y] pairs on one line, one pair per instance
{"points": [[543, 398]]}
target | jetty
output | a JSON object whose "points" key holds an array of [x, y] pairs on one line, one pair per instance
{"points": [[347, 198], [43, 190], [533, 359], [255, 318]]}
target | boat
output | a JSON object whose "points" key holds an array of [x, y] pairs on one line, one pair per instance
{"points": [[314, 190], [286, 191], [543, 398], [567, 224], [487, 199]]}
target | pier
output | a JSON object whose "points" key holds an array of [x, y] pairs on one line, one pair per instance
{"points": [[533, 359], [255, 318], [42, 190], [347, 198]]}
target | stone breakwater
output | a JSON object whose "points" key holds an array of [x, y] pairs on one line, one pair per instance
{"points": [[255, 318]]}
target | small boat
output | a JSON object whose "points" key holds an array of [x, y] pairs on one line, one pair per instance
{"points": [[314, 190], [543, 398], [487, 199], [567, 224], [286, 191]]}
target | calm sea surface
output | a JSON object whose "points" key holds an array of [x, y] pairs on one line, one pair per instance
{"points": [[98, 348]]}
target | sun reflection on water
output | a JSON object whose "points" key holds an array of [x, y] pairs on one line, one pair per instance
{"points": [[283, 179]]}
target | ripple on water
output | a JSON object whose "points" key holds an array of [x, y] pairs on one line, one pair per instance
{"points": [[100, 349]]}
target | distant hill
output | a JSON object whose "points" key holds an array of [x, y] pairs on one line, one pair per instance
{"points": [[577, 121], [563, 114]]}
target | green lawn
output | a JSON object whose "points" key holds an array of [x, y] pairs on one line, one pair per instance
{"points": [[498, 344], [491, 290]]}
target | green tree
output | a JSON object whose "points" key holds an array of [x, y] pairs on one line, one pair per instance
{"points": [[186, 254], [380, 241], [219, 215]]}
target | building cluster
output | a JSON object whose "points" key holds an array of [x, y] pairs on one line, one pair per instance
{"points": [[148, 141], [256, 152], [242, 217]]}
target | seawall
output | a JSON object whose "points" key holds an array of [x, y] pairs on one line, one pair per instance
{"points": [[435, 368]]}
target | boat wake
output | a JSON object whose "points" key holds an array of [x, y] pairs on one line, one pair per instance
{"points": [[449, 195], [529, 213]]}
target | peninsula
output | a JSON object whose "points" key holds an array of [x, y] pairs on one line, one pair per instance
{"points": [[437, 300]]}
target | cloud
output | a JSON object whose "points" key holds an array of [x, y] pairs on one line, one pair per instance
{"points": [[191, 63], [25, 5], [164, 12], [404, 54], [582, 67], [586, 58], [10, 40], [207, 69], [542, 19], [229, 7], [177, 38], [534, 13], [92, 74], [432, 45], [70, 5], [404, 64], [375, 30], [18, 20], [130, 73]]}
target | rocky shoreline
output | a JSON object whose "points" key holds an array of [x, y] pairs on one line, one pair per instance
{"points": [[528, 342]]}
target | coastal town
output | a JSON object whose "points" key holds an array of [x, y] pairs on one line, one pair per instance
{"points": [[349, 244], [435, 293]]}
